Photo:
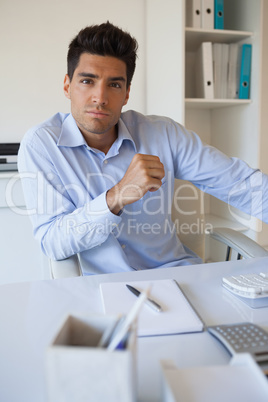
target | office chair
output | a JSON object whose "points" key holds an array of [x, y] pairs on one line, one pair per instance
{"points": [[237, 241], [66, 268]]}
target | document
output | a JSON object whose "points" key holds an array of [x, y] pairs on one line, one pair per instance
{"points": [[224, 71], [217, 67], [177, 315], [204, 71], [233, 72], [220, 69], [239, 380]]}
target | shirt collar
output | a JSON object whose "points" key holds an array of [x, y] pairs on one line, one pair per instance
{"points": [[71, 136], [124, 134]]}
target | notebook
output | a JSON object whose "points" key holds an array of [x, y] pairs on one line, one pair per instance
{"points": [[177, 315]]}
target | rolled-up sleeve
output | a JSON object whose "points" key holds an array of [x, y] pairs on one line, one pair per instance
{"points": [[61, 227], [227, 178]]}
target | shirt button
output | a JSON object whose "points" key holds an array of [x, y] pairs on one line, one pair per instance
{"points": [[105, 162], [123, 246]]}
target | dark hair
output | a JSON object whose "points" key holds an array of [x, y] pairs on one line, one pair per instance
{"points": [[104, 40]]}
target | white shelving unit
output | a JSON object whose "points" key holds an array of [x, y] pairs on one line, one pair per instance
{"points": [[199, 103], [228, 123], [194, 37], [237, 127]]}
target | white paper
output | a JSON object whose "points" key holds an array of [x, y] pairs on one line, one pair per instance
{"points": [[177, 316]]}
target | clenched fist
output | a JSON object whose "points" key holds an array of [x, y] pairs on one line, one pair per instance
{"points": [[144, 173]]}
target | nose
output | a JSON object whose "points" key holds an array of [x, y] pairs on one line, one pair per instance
{"points": [[100, 96]]}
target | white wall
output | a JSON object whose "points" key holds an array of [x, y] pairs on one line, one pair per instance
{"points": [[34, 39], [165, 58]]}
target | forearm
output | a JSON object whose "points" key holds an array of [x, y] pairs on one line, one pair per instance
{"points": [[251, 196], [74, 232], [228, 179], [65, 218]]}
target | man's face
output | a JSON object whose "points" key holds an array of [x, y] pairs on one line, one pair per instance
{"points": [[97, 93]]}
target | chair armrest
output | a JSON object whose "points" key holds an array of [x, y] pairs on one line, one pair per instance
{"points": [[245, 246], [66, 268]]}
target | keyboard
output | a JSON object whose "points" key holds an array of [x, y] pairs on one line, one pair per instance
{"points": [[252, 286]]}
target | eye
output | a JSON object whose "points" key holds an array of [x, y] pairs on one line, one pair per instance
{"points": [[115, 85], [86, 81]]}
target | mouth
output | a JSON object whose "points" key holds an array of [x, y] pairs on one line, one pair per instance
{"points": [[97, 114]]}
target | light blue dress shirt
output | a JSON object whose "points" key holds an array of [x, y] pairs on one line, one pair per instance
{"points": [[65, 184]]}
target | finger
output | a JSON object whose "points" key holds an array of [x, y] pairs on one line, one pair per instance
{"points": [[154, 184], [146, 158], [157, 173], [149, 163]]}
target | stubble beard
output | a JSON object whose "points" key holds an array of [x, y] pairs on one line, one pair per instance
{"points": [[94, 125]]}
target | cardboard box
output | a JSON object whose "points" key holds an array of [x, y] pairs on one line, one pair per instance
{"points": [[79, 370]]}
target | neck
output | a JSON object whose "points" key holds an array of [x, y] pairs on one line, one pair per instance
{"points": [[102, 142]]}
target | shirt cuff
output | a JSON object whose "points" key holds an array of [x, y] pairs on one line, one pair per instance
{"points": [[99, 207]]}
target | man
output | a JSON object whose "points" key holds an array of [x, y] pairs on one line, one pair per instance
{"points": [[99, 182]]}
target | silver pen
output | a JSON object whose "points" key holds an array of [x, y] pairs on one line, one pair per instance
{"points": [[151, 303]]}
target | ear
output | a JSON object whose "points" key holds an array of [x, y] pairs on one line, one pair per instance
{"points": [[127, 96], [66, 86]]}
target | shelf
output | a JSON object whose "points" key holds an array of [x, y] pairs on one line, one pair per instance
{"points": [[200, 103], [194, 37]]}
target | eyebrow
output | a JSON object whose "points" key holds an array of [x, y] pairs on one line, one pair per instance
{"points": [[90, 75]]}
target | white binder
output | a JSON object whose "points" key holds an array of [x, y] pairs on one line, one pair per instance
{"points": [[224, 71], [233, 71], [193, 13], [220, 69], [217, 67], [204, 71], [207, 14]]}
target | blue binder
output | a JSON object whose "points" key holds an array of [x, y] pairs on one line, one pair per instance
{"points": [[219, 14], [245, 69]]}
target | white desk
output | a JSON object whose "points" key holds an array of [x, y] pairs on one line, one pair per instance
{"points": [[32, 312]]}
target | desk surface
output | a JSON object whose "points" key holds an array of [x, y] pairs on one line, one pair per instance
{"points": [[32, 312]]}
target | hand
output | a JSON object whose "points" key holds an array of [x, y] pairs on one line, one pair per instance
{"points": [[143, 174]]}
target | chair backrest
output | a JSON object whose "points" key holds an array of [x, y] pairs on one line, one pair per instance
{"points": [[188, 214], [67, 268]]}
